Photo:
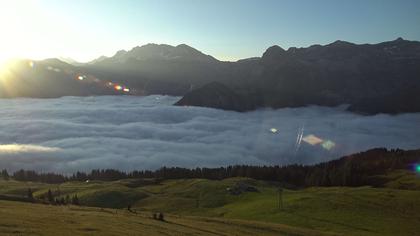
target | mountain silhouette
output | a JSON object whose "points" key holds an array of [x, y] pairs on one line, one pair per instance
{"points": [[371, 78], [377, 78]]}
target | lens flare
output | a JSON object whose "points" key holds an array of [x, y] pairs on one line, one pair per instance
{"points": [[328, 144], [417, 168], [118, 87], [80, 78], [299, 138], [312, 139]]}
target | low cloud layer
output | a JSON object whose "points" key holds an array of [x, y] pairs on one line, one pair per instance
{"points": [[81, 133]]}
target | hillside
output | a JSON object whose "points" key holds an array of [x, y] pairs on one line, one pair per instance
{"points": [[376, 192], [371, 78], [50, 78], [338, 210], [36, 219], [374, 167]]}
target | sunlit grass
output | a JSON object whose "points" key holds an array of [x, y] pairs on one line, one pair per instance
{"points": [[342, 210], [37, 219]]}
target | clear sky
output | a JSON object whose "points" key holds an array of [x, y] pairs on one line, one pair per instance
{"points": [[226, 29]]}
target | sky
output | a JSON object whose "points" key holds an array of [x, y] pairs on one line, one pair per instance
{"points": [[226, 29]]}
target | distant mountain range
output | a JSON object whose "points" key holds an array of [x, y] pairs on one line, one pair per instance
{"points": [[371, 78]]}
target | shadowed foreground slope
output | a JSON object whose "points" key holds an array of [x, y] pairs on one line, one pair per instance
{"points": [[231, 203], [36, 219]]}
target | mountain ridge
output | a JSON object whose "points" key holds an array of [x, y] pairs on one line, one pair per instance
{"points": [[372, 78], [153, 51]]}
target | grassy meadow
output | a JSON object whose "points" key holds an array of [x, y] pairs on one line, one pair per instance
{"points": [[208, 207]]}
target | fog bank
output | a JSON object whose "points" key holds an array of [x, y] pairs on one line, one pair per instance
{"points": [[127, 133]]}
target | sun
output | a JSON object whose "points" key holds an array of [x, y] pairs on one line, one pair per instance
{"points": [[26, 32], [9, 25]]}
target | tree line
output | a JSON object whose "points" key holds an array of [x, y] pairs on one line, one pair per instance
{"points": [[364, 168], [53, 197]]}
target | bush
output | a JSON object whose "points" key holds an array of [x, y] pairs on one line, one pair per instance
{"points": [[161, 217]]}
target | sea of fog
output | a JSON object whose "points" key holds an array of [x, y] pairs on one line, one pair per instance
{"points": [[123, 132]]}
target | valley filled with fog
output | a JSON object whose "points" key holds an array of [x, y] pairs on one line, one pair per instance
{"points": [[125, 132]]}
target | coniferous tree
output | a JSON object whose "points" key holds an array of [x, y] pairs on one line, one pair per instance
{"points": [[50, 196], [352, 170], [68, 200], [30, 194], [5, 174], [75, 200]]}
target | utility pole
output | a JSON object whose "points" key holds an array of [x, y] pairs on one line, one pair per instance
{"points": [[280, 198]]}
